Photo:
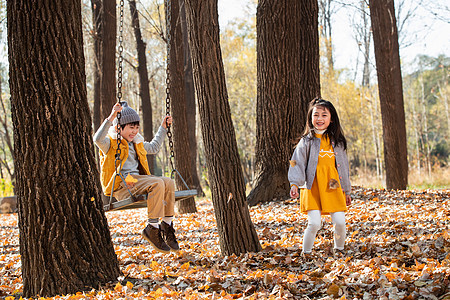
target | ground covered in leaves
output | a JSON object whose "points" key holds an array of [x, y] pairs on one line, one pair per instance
{"points": [[397, 247]]}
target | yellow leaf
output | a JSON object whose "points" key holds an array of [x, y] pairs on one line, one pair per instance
{"points": [[130, 179], [185, 266], [129, 285], [93, 199], [154, 265], [118, 287]]}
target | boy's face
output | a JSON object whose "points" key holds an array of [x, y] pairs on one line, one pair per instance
{"points": [[129, 131]]}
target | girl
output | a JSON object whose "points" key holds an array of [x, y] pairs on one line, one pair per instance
{"points": [[319, 165]]}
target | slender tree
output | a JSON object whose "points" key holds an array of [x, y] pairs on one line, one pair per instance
{"points": [[288, 78], [236, 231], [6, 137], [96, 34], [144, 90], [389, 75], [108, 58], [326, 11], [65, 243], [191, 108], [178, 106]]}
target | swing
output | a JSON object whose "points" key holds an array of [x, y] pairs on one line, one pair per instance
{"points": [[139, 201]]}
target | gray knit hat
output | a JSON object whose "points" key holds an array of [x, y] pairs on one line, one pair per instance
{"points": [[127, 115]]}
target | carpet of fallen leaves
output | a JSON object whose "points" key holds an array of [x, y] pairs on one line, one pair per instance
{"points": [[398, 247]]}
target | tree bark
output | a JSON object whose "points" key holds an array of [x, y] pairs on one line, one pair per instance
{"points": [[7, 138], [108, 59], [389, 75], [97, 41], [178, 106], [65, 243], [236, 231], [427, 142], [326, 12], [191, 108], [288, 78], [144, 90], [365, 32]]}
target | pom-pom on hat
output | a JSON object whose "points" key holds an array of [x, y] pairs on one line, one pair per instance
{"points": [[127, 115]]}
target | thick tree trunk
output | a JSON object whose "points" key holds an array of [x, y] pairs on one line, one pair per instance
{"points": [[108, 59], [236, 231], [191, 108], [288, 78], [178, 106], [144, 90], [387, 58], [65, 243]]}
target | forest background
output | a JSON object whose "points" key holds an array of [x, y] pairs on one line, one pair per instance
{"points": [[348, 80]]}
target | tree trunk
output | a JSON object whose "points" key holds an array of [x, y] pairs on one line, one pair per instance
{"points": [[425, 126], [178, 106], [373, 112], [7, 138], [391, 95], [288, 78], [108, 59], [65, 243], [97, 41], [191, 108], [416, 131], [236, 231], [144, 90], [325, 14], [365, 33]]}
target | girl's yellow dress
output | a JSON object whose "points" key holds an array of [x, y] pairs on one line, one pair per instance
{"points": [[326, 193]]}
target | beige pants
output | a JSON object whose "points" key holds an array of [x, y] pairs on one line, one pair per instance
{"points": [[160, 190]]}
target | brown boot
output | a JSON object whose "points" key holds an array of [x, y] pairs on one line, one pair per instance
{"points": [[168, 234], [153, 236]]}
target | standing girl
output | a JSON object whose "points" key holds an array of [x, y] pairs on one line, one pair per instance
{"points": [[320, 167]]}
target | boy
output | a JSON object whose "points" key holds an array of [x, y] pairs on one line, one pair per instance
{"points": [[160, 190]]}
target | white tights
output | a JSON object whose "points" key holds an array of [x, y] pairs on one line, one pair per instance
{"points": [[315, 223]]}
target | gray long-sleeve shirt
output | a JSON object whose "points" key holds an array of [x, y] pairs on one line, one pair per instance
{"points": [[130, 166]]}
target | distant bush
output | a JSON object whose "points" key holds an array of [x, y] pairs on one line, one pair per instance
{"points": [[6, 188]]}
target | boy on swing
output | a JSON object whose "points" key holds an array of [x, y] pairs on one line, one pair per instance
{"points": [[135, 171]]}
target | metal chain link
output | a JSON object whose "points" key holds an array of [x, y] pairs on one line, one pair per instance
{"points": [[117, 162], [169, 38]]}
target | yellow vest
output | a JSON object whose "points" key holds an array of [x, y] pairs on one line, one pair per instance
{"points": [[107, 164]]}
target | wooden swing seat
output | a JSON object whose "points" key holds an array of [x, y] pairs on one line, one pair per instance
{"points": [[140, 201]]}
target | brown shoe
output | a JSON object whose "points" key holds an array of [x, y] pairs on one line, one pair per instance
{"points": [[168, 234], [153, 236]]}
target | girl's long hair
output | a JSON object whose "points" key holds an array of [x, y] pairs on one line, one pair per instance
{"points": [[334, 131]]}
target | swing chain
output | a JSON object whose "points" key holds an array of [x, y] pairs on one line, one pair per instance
{"points": [[120, 58], [118, 161], [169, 29], [119, 85]]}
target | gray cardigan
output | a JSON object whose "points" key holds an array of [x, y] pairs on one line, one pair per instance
{"points": [[302, 169]]}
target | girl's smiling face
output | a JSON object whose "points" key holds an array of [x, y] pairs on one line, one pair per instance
{"points": [[129, 131], [321, 117]]}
